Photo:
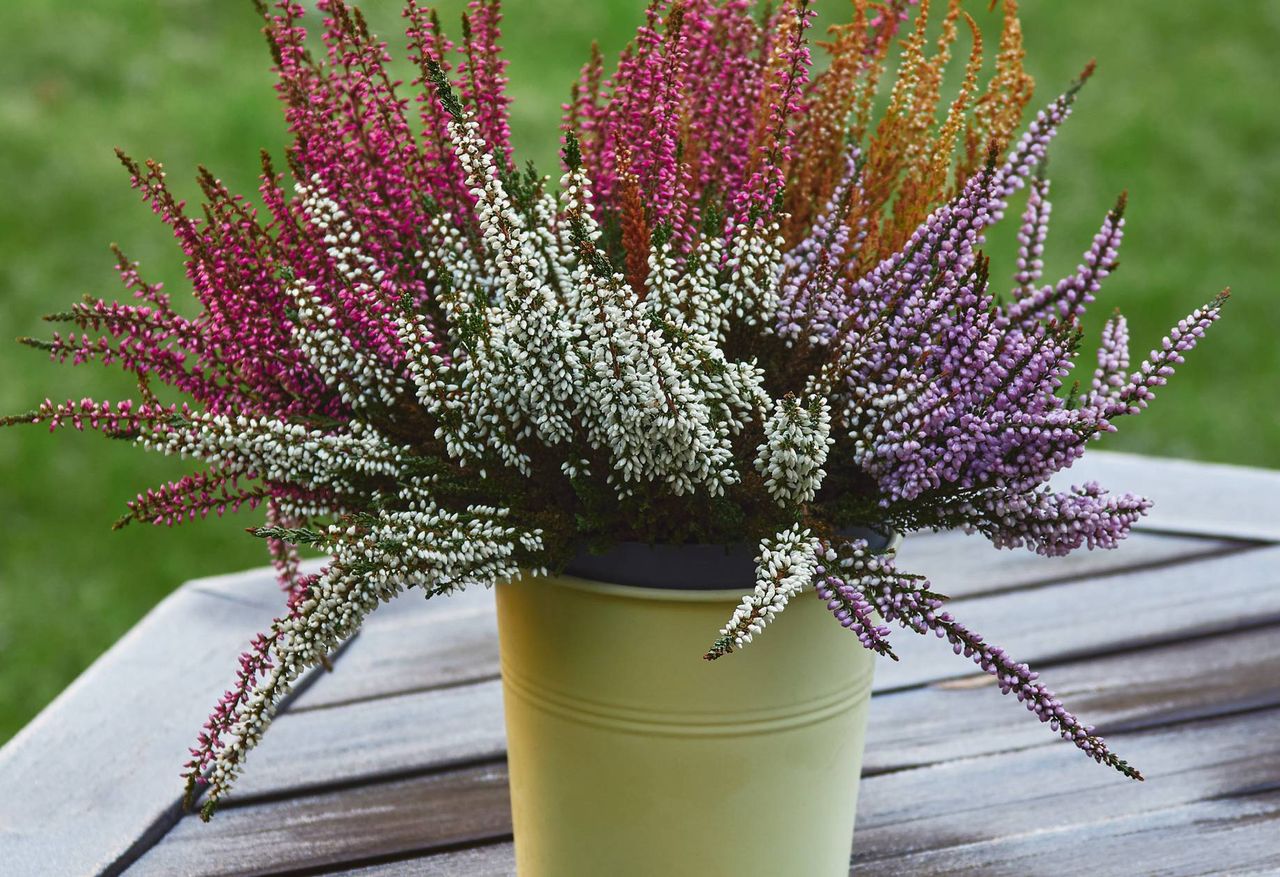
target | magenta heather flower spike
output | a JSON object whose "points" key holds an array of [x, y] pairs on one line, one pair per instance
{"points": [[782, 95], [193, 496], [484, 79]]}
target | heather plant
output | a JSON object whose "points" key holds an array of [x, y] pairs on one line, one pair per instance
{"points": [[753, 309]]}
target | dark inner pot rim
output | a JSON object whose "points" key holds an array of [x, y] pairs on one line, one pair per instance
{"points": [[686, 567]]}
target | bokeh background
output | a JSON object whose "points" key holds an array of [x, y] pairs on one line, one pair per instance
{"points": [[1183, 114]]}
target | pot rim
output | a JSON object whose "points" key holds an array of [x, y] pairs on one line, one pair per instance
{"points": [[681, 573]]}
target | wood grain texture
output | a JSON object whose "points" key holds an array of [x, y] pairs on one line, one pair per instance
{"points": [[343, 826], [490, 860], [98, 770], [962, 565], [1235, 836], [1080, 618], [1226, 836], [413, 645], [1207, 499], [978, 800], [1145, 688], [378, 738]]}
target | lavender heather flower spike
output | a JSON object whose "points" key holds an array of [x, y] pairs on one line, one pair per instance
{"points": [[907, 600], [843, 590], [855, 613], [1113, 363], [1067, 299], [814, 286], [1138, 392], [1031, 236], [1054, 524], [1032, 148]]}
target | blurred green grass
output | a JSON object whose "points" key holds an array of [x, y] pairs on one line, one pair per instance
{"points": [[1182, 114]]}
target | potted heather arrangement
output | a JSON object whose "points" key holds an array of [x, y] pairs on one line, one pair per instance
{"points": [[682, 400]]}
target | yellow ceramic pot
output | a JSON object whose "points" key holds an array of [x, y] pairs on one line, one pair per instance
{"points": [[630, 755]]}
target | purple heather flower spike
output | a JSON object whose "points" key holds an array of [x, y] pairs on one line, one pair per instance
{"points": [[814, 287], [1031, 237], [908, 601], [1066, 300]]}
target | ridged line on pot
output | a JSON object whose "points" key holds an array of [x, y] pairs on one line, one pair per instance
{"points": [[647, 721]]}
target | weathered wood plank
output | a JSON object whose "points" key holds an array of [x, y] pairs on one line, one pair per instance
{"points": [[962, 565], [410, 645], [963, 719], [1053, 788], [1223, 836], [345, 826], [1138, 689], [377, 738], [490, 860], [97, 772], [1210, 499], [1080, 618]]}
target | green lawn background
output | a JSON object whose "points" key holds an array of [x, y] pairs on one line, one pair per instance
{"points": [[1182, 113]]}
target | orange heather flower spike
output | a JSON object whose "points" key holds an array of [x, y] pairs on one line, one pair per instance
{"points": [[1000, 108], [818, 160], [635, 229], [927, 177]]}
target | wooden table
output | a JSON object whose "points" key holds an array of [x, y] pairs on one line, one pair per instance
{"points": [[395, 764]]}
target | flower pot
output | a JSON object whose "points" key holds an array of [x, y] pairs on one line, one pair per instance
{"points": [[630, 755]]}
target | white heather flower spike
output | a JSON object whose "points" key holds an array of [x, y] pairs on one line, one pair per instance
{"points": [[358, 377], [797, 440], [424, 547], [287, 453], [786, 566], [516, 380]]}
